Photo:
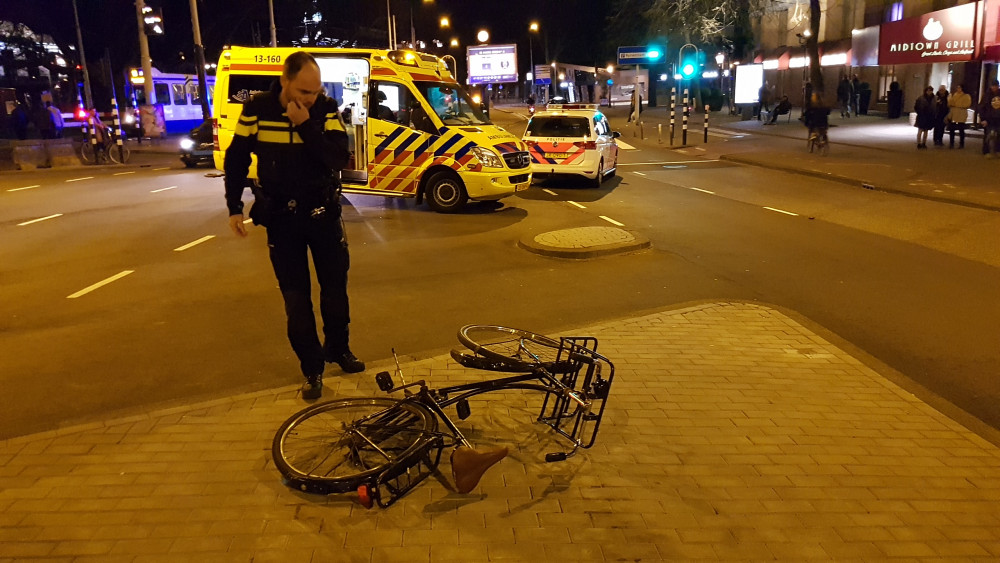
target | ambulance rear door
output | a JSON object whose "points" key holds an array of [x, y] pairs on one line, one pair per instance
{"points": [[345, 79]]}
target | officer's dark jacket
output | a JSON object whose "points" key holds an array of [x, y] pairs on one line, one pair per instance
{"points": [[292, 162]]}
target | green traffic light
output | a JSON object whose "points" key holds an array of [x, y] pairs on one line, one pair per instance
{"points": [[653, 54], [687, 70]]}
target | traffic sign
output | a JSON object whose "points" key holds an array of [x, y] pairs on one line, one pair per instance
{"points": [[639, 54], [543, 74]]}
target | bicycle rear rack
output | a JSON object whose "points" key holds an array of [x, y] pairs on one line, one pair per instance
{"points": [[577, 356]]}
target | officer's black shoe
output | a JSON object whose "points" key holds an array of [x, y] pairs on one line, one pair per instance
{"points": [[347, 361], [312, 389]]}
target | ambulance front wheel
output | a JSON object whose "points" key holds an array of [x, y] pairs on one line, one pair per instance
{"points": [[445, 192]]}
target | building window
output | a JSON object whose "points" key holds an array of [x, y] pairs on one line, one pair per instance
{"points": [[895, 12]]}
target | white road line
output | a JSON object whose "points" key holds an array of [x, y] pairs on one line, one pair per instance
{"points": [[781, 211], [197, 242], [668, 162], [123, 173], [162, 190], [612, 221], [701, 190], [24, 188], [548, 191], [39, 219], [626, 146], [698, 149], [78, 179], [577, 204], [99, 284], [164, 168], [682, 151], [639, 173]]}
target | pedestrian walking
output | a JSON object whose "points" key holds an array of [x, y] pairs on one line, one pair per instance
{"points": [[856, 96], [20, 120], [940, 114], [300, 143], [989, 118], [958, 106], [763, 100], [845, 96], [924, 108]]}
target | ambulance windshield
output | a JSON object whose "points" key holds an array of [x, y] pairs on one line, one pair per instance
{"points": [[452, 104]]}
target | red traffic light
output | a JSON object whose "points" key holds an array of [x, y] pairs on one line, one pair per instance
{"points": [[81, 113]]}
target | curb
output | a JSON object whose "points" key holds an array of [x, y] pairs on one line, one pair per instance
{"points": [[857, 183], [585, 250]]}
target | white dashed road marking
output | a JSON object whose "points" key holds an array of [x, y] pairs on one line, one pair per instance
{"points": [[162, 189], [78, 179], [701, 190], [195, 243], [612, 221], [24, 188], [577, 204], [548, 191], [39, 219], [123, 173], [781, 211], [100, 284]]}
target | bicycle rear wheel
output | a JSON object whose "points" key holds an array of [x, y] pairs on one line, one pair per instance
{"points": [[115, 157], [518, 349], [87, 154], [335, 447]]}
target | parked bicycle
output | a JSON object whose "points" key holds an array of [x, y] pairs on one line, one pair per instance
{"points": [[381, 448]]}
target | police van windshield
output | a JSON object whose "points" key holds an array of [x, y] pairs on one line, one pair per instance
{"points": [[452, 104]]}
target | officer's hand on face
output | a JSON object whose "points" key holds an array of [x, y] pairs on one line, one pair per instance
{"points": [[236, 224], [297, 113]]}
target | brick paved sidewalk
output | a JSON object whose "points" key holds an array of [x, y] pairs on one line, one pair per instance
{"points": [[733, 433]]}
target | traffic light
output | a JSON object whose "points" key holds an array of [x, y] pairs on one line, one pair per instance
{"points": [[152, 19], [654, 54], [689, 62]]}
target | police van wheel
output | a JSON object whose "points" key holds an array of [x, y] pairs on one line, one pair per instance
{"points": [[445, 192]]}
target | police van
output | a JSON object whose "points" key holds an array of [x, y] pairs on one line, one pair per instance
{"points": [[413, 130]]}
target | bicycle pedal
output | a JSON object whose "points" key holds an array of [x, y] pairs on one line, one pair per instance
{"points": [[384, 381], [463, 409]]}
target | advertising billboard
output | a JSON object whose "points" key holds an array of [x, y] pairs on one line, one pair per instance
{"points": [[490, 64], [749, 79]]}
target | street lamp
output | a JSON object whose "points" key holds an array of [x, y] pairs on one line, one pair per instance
{"points": [[532, 28], [483, 36], [454, 42], [445, 22]]}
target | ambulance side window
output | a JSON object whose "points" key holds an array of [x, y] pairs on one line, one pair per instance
{"points": [[388, 102]]}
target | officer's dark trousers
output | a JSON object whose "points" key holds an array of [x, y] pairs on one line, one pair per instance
{"points": [[289, 237]]}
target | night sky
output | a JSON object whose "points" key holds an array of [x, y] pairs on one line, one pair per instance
{"points": [[572, 29]]}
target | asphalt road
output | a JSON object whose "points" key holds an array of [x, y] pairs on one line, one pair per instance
{"points": [[911, 282]]}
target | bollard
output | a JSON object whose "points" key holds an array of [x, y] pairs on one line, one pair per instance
{"points": [[673, 112], [98, 155], [659, 133], [684, 119], [119, 133], [642, 133], [706, 124]]}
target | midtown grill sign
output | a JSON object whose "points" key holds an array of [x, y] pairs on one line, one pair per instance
{"points": [[941, 36]]}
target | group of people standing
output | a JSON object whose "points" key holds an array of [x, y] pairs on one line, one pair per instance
{"points": [[848, 96], [46, 119], [936, 111]]}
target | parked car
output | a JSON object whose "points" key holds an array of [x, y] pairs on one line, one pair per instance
{"points": [[574, 140], [197, 146]]}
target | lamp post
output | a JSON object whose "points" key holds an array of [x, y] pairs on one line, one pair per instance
{"points": [[532, 28]]}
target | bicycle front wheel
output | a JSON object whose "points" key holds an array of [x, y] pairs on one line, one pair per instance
{"points": [[336, 446], [519, 349], [116, 157]]}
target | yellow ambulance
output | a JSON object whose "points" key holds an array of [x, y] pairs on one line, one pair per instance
{"points": [[413, 130]]}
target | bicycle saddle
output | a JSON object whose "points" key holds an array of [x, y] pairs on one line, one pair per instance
{"points": [[468, 465]]}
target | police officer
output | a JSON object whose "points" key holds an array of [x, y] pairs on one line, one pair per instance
{"points": [[301, 146]]}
